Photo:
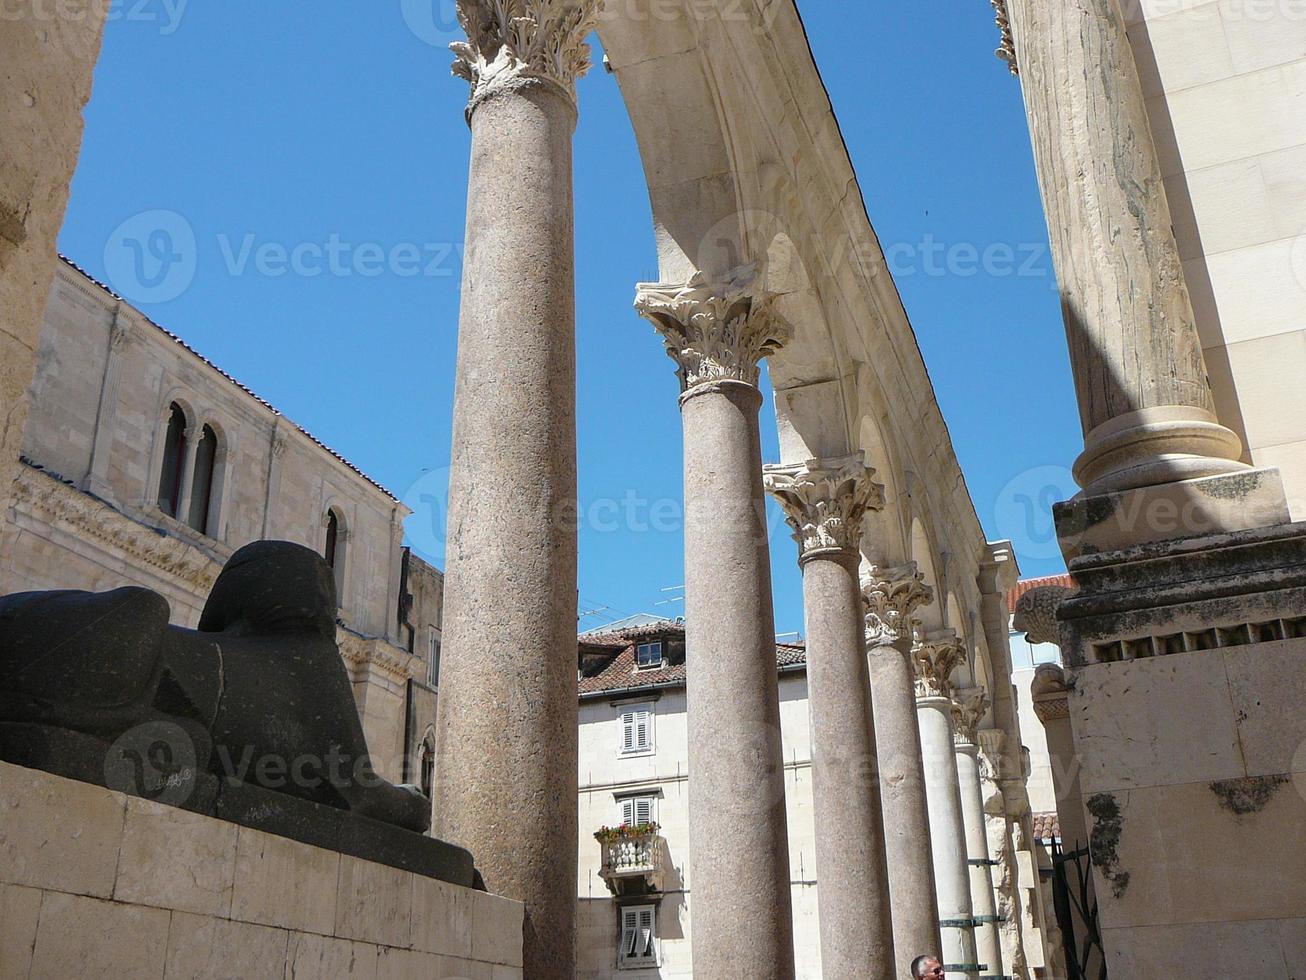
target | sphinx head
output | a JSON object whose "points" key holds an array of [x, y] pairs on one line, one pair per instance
{"points": [[273, 587]]}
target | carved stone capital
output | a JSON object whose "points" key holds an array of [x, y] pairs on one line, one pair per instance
{"points": [[968, 710], [513, 40], [1050, 693], [891, 597], [824, 502], [715, 331], [1036, 613], [1007, 48], [935, 658]]}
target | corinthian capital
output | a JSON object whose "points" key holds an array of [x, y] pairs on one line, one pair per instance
{"points": [[824, 502], [968, 710], [935, 658], [892, 596], [514, 39], [715, 331]]}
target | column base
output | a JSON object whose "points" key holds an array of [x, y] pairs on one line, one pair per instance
{"points": [[1090, 524]]}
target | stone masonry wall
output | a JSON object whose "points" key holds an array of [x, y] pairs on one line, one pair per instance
{"points": [[96, 884]]}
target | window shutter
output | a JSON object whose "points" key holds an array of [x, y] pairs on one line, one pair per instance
{"points": [[644, 810], [629, 932], [642, 739], [628, 732], [627, 811], [646, 932]]}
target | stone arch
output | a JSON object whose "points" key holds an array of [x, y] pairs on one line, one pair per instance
{"points": [[922, 553]]}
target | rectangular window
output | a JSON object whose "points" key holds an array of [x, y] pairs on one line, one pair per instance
{"points": [[432, 656], [637, 729], [636, 810], [648, 655], [638, 937]]}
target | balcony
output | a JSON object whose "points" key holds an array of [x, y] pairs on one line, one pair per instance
{"points": [[634, 859]]}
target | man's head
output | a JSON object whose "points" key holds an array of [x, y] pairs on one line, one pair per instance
{"points": [[926, 968]]}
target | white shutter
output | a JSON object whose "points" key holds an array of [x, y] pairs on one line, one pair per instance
{"points": [[628, 732], [646, 932], [628, 811], [644, 810], [643, 732], [629, 932]]}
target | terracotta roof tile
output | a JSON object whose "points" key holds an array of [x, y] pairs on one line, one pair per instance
{"points": [[620, 673], [1026, 585], [1047, 826]]}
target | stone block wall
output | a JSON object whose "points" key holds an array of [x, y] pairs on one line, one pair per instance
{"points": [[1194, 790], [1225, 81], [97, 884]]}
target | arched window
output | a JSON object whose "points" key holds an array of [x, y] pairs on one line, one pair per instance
{"points": [[426, 768], [334, 549], [201, 488], [174, 462]]}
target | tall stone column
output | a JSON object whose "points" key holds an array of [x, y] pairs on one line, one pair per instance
{"points": [[506, 784], [968, 710], [825, 502], [892, 596], [48, 63], [936, 657], [717, 332]]}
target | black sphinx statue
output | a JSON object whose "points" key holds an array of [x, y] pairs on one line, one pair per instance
{"points": [[101, 688]]}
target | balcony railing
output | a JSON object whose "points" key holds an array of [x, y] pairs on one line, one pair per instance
{"points": [[634, 862]]}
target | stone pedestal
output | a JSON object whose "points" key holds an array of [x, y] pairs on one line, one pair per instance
{"points": [[892, 595], [936, 658], [825, 502], [48, 63], [507, 729], [1185, 710], [968, 710], [717, 332]]}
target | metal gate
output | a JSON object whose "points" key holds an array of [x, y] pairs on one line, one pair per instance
{"points": [[1076, 908]]}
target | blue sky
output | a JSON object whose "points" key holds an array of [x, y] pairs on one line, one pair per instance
{"points": [[334, 134]]}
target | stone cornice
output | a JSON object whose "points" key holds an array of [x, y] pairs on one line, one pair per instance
{"points": [[363, 652], [935, 658], [824, 501], [69, 509], [891, 596], [968, 710], [715, 331], [514, 40]]}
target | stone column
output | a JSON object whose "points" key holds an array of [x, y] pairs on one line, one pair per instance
{"points": [[936, 657], [892, 595], [97, 477], [825, 502], [194, 433], [968, 710], [48, 63], [1144, 399], [507, 724], [740, 887], [1020, 952]]}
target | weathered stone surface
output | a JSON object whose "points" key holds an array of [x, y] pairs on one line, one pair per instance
{"points": [[374, 904], [19, 912], [176, 860], [496, 930], [310, 957], [442, 918], [205, 948], [283, 883], [87, 938], [509, 638]]}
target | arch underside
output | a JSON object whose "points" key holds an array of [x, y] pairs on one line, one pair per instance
{"points": [[745, 164]]}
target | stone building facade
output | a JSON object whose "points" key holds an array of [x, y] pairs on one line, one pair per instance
{"points": [[636, 894], [145, 464]]}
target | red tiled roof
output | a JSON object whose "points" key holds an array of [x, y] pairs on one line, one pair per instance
{"points": [[620, 673], [1047, 826], [1026, 585]]}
